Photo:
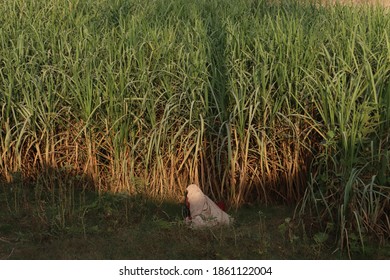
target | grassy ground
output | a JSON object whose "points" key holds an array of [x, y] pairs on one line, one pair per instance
{"points": [[122, 227], [384, 3]]}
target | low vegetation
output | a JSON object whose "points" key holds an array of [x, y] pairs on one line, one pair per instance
{"points": [[127, 227], [257, 102]]}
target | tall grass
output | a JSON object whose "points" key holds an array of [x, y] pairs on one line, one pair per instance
{"points": [[254, 101]]}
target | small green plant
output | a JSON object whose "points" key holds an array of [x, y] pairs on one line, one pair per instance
{"points": [[287, 230]]}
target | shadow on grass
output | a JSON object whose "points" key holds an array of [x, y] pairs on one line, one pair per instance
{"points": [[58, 216]]}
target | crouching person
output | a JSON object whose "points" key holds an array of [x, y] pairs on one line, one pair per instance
{"points": [[203, 212]]}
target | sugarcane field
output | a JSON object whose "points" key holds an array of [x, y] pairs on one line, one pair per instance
{"points": [[208, 129]]}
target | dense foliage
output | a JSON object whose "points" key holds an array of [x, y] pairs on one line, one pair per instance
{"points": [[254, 101]]}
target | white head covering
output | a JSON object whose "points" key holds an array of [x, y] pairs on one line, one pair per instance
{"points": [[196, 199]]}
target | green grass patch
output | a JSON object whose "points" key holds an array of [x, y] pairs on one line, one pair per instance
{"points": [[123, 227], [114, 226]]}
